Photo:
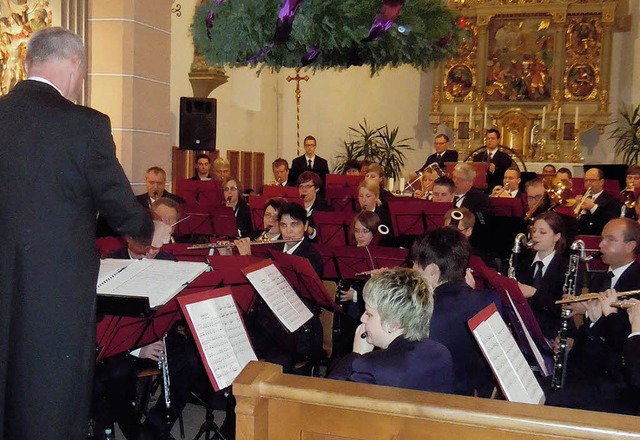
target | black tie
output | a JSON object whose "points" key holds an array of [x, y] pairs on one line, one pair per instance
{"points": [[537, 275], [456, 199], [607, 281], [439, 158], [309, 164]]}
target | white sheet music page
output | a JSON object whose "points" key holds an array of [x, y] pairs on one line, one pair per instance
{"points": [[276, 291], [222, 336], [110, 267], [507, 361], [158, 280]]}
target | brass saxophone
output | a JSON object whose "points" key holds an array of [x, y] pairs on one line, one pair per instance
{"points": [[569, 288], [163, 366]]}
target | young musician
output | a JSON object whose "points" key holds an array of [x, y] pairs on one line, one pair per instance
{"points": [[498, 161], [369, 200], [375, 172], [203, 167], [232, 194], [309, 186], [399, 306]]}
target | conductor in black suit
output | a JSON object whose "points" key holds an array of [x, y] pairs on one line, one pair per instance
{"points": [[599, 207], [49, 263], [499, 162], [442, 154], [309, 162]]}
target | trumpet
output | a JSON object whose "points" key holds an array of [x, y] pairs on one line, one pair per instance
{"points": [[502, 190], [628, 196], [590, 296], [224, 244], [433, 166], [578, 208]]}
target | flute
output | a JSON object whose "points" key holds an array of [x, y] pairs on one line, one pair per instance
{"points": [[229, 244], [590, 296]]}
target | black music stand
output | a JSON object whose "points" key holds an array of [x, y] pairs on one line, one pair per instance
{"points": [[333, 227], [414, 216], [198, 223], [223, 221]]}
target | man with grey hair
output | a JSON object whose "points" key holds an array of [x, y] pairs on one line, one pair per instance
{"points": [[57, 169], [466, 196]]}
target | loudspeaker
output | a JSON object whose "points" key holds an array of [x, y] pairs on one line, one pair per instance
{"points": [[198, 123]]}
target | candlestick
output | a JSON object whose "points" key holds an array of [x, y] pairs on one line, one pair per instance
{"points": [[485, 117], [575, 120], [401, 185], [471, 117], [455, 117], [390, 184], [544, 114], [559, 116]]}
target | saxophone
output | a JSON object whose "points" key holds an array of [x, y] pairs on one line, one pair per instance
{"points": [[163, 366], [569, 288]]}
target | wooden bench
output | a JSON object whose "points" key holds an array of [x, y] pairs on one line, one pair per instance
{"points": [[272, 405]]}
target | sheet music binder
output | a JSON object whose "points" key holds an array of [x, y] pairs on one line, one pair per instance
{"points": [[511, 369], [219, 333]]}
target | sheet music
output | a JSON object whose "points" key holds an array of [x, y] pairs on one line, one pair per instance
{"points": [[110, 267], [224, 341], [507, 361], [158, 280], [534, 347], [280, 297]]}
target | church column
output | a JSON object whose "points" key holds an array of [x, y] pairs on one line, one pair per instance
{"points": [[129, 43]]}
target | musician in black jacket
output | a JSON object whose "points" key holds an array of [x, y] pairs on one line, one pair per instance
{"points": [[441, 156], [309, 161], [309, 187], [599, 207], [498, 161], [232, 193]]}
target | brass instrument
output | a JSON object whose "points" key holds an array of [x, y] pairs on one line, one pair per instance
{"points": [[227, 202], [229, 244], [578, 208], [163, 366], [590, 296], [520, 240], [628, 196], [557, 192], [264, 238], [434, 166], [502, 190], [569, 288]]}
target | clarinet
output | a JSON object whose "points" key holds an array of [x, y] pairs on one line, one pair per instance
{"points": [[569, 288], [163, 366], [520, 239]]}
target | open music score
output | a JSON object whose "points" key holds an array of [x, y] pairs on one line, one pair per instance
{"points": [[220, 334], [503, 354], [157, 280], [278, 294]]}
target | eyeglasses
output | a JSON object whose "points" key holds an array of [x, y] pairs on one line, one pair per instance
{"points": [[306, 186], [231, 188], [362, 231], [270, 216], [535, 198]]}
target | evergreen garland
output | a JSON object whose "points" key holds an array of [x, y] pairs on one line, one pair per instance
{"points": [[243, 29]]}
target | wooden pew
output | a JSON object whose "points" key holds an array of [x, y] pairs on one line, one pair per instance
{"points": [[272, 405]]}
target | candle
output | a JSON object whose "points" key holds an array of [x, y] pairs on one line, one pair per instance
{"points": [[390, 184], [575, 120], [559, 117], [485, 117], [544, 114], [471, 117], [455, 118], [401, 186]]}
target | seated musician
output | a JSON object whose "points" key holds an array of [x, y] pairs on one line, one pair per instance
{"points": [[595, 376], [443, 190], [598, 207], [541, 274], [369, 200], [203, 167], [232, 194], [280, 169], [466, 225], [510, 187], [631, 193], [466, 196], [364, 167], [565, 176], [309, 186], [426, 185], [155, 181], [221, 169], [375, 172], [399, 306], [442, 257], [538, 202], [352, 167], [270, 225]]}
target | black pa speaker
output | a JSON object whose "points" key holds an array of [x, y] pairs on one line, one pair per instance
{"points": [[198, 123]]}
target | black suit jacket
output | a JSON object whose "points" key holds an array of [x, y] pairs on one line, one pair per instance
{"points": [[456, 303], [58, 168], [542, 304], [476, 201], [307, 250], [146, 201], [243, 218], [629, 280], [501, 160], [299, 165], [447, 156], [417, 365], [608, 208]]}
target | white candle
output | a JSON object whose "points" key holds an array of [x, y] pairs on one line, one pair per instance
{"points": [[559, 117], [485, 117], [455, 118], [390, 184], [575, 121], [401, 186], [544, 115], [471, 117]]}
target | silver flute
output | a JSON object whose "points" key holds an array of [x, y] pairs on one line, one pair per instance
{"points": [[163, 366]]}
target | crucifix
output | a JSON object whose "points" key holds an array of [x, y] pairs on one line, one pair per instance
{"points": [[297, 79]]}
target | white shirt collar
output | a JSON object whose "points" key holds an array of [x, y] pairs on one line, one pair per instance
{"points": [[618, 272], [291, 250], [545, 261], [46, 81]]}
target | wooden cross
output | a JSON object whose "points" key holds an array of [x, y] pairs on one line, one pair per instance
{"points": [[297, 79]]}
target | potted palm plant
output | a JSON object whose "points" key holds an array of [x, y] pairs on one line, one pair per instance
{"points": [[627, 135]]}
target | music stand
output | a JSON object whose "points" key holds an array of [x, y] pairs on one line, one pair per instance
{"points": [[223, 221], [342, 181], [342, 199], [256, 204], [288, 192], [415, 216], [389, 257], [333, 227], [200, 191], [507, 207], [198, 223]]}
